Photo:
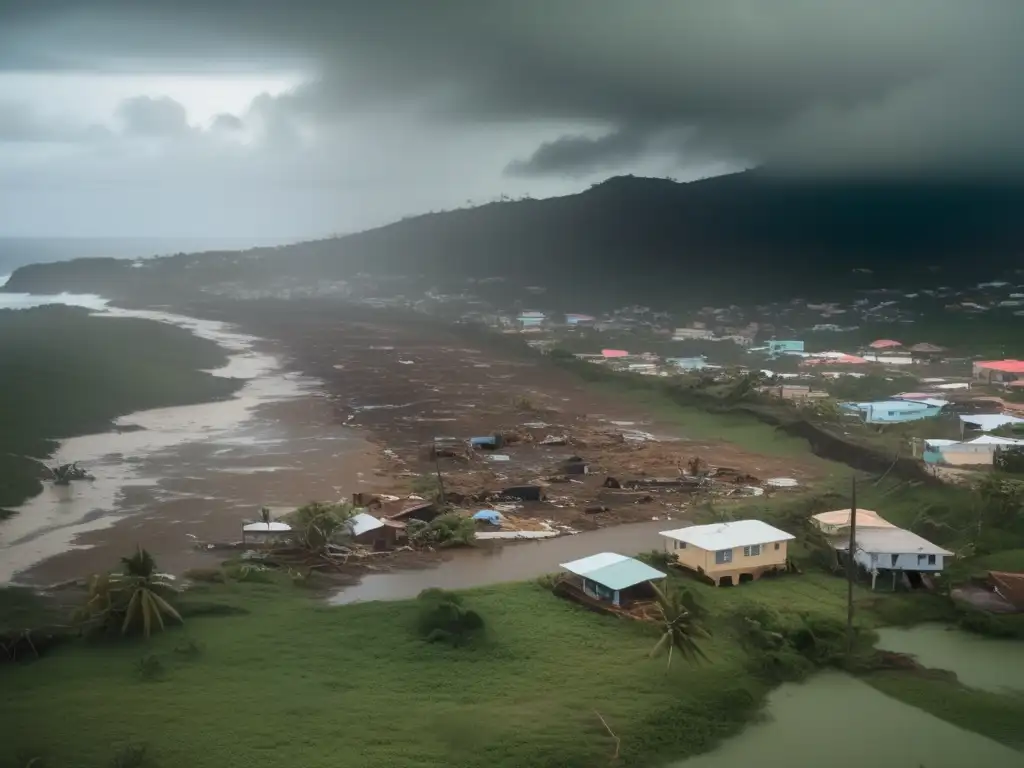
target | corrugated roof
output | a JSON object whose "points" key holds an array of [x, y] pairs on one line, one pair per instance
{"points": [[1005, 366], [989, 421], [893, 541], [613, 570], [361, 523], [716, 536]]}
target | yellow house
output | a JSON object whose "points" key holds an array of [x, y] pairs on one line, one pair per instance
{"points": [[729, 553]]}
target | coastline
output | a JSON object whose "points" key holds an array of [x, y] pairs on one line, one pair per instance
{"points": [[169, 476]]}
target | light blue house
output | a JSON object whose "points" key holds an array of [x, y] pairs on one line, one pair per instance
{"points": [[688, 363], [611, 577], [893, 411], [780, 347]]}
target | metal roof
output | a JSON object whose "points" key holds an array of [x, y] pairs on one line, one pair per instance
{"points": [[272, 526], [892, 541], [613, 570], [361, 523], [989, 421], [716, 536]]}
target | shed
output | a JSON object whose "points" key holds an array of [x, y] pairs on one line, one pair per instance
{"points": [[613, 578], [987, 422], [374, 531], [266, 533]]}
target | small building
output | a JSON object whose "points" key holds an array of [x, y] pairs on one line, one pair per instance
{"points": [[838, 521], [612, 578], [896, 550], [690, 334], [531, 319], [729, 553], [986, 422], [885, 344], [688, 363], [892, 411], [998, 371], [379, 533], [274, 532], [782, 347], [925, 352]]}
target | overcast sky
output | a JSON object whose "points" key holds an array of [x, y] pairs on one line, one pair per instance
{"points": [[274, 118]]}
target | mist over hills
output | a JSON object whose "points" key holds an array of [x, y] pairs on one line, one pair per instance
{"points": [[749, 233]]}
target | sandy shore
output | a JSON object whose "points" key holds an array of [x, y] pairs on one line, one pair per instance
{"points": [[181, 474]]}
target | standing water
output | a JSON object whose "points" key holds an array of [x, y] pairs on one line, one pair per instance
{"points": [[836, 721]]}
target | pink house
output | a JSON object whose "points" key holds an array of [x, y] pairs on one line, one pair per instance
{"points": [[885, 344], [614, 353]]}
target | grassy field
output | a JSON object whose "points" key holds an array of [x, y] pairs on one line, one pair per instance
{"points": [[66, 373], [293, 682]]}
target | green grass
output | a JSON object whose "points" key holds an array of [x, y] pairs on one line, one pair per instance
{"points": [[67, 373], [297, 683]]}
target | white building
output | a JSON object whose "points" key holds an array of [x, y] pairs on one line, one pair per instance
{"points": [[896, 550]]}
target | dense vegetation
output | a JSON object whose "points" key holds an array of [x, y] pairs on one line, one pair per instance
{"points": [[67, 373], [736, 237]]}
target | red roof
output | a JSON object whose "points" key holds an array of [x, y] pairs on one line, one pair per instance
{"points": [[884, 344], [614, 353], [1006, 366]]}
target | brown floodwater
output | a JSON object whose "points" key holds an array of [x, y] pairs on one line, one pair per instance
{"points": [[191, 473], [510, 562]]}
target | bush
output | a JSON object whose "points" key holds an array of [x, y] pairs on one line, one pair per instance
{"points": [[447, 530], [205, 575], [443, 618], [150, 668]]}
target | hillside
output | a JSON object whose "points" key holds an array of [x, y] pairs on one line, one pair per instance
{"points": [[749, 231]]}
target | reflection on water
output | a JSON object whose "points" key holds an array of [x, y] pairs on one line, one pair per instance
{"points": [[980, 662], [158, 445], [514, 562], [836, 721]]}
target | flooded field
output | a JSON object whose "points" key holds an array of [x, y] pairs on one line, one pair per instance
{"points": [[979, 662], [837, 721], [513, 562], [169, 476]]}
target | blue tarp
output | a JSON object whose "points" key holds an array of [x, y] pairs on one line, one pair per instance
{"points": [[490, 515]]}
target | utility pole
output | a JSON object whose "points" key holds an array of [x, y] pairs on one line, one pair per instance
{"points": [[851, 566]]}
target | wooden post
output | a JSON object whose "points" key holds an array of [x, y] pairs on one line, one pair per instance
{"points": [[440, 478], [851, 566]]}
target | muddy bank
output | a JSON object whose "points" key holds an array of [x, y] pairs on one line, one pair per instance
{"points": [[169, 476]]}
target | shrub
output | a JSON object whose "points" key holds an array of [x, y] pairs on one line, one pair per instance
{"points": [[447, 530], [205, 575], [443, 618], [150, 668]]}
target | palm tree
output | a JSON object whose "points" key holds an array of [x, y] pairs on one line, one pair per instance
{"points": [[678, 615], [266, 517], [136, 597]]}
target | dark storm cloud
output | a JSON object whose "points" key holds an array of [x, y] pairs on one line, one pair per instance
{"points": [[849, 85]]}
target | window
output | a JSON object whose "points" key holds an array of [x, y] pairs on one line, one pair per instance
{"points": [[752, 551], [894, 559], [931, 559], [723, 556], [776, 545], [921, 559], [680, 545]]}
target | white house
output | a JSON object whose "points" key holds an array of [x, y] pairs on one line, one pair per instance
{"points": [[896, 550]]}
